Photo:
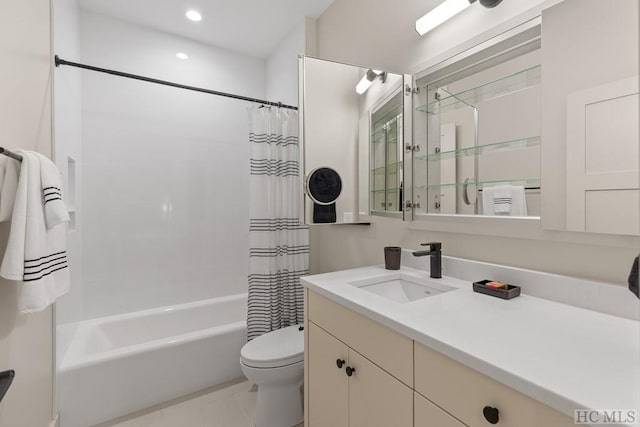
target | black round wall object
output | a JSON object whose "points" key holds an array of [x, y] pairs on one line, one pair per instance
{"points": [[324, 185], [490, 3]]}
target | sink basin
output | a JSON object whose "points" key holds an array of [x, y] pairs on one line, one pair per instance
{"points": [[403, 288]]}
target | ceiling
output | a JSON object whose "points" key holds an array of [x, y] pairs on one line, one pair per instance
{"points": [[252, 27]]}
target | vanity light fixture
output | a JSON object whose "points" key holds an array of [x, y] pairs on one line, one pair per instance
{"points": [[368, 78], [194, 15], [445, 11], [182, 55]]}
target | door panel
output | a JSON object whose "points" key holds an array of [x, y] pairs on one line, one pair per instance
{"points": [[328, 385], [376, 398]]}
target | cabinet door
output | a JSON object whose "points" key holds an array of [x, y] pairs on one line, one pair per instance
{"points": [[464, 393], [429, 415], [327, 390], [376, 399]]}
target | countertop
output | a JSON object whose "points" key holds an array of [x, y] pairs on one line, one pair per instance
{"points": [[561, 355]]}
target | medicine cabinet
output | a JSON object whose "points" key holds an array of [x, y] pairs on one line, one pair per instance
{"points": [[477, 132], [538, 124]]}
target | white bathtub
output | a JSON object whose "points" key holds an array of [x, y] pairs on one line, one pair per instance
{"points": [[121, 364]]}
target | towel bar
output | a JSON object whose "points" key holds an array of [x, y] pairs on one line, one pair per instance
{"points": [[11, 154]]}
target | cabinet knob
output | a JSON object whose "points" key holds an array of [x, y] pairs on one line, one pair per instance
{"points": [[350, 371], [340, 363], [491, 414]]}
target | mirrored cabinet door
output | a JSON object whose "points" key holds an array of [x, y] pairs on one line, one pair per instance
{"points": [[386, 157], [478, 127], [353, 134]]}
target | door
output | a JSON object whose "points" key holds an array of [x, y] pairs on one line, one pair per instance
{"points": [[328, 386], [376, 399], [428, 414]]}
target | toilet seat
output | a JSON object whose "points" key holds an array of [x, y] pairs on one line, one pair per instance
{"points": [[274, 349]]}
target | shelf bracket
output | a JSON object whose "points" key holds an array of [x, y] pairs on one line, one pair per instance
{"points": [[408, 90], [408, 205], [415, 147]]}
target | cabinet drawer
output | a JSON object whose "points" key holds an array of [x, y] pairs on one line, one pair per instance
{"points": [[465, 392], [429, 415], [388, 349]]}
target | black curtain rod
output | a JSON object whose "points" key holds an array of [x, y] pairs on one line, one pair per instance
{"points": [[59, 61], [526, 188]]}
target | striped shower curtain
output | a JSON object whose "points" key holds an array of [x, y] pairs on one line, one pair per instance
{"points": [[279, 243]]}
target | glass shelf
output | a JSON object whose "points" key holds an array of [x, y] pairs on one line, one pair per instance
{"points": [[390, 168], [479, 183], [387, 190], [513, 144], [390, 140], [511, 83]]}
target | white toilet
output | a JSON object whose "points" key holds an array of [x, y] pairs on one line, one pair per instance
{"points": [[275, 363]]}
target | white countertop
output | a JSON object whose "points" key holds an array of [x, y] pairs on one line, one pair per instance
{"points": [[564, 356]]}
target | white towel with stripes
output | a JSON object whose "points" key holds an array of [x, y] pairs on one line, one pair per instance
{"points": [[502, 199], [36, 252], [509, 203]]}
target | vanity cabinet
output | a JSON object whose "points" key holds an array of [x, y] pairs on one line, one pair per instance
{"points": [[353, 370], [360, 373], [467, 394], [347, 390]]}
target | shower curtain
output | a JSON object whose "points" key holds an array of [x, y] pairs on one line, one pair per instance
{"points": [[279, 243]]}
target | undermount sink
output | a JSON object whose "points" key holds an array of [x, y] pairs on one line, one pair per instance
{"points": [[402, 288]]}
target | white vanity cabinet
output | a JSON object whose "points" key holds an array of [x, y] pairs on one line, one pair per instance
{"points": [[360, 373], [466, 393], [345, 387]]}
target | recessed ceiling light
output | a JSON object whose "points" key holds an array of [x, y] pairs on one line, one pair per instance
{"points": [[194, 15], [181, 55]]}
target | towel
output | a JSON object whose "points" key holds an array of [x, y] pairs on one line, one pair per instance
{"points": [[518, 201], [487, 201], [36, 251], [517, 205], [8, 186], [55, 211], [502, 199]]}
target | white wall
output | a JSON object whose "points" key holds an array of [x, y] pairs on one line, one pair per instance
{"points": [[282, 67], [26, 341], [349, 31], [282, 64], [68, 144], [166, 182], [371, 33]]}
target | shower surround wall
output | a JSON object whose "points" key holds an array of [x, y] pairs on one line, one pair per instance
{"points": [[165, 171]]}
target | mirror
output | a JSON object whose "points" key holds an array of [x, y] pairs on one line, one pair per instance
{"points": [[478, 124], [386, 157], [352, 139]]}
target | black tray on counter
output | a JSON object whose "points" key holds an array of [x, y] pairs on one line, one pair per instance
{"points": [[510, 292]]}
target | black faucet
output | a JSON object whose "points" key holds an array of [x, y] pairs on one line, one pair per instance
{"points": [[435, 251]]}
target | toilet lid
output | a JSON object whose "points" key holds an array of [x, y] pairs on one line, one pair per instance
{"points": [[274, 349]]}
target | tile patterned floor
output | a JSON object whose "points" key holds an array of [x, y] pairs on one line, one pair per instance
{"points": [[230, 406]]}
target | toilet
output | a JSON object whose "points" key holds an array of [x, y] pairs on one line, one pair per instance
{"points": [[275, 363]]}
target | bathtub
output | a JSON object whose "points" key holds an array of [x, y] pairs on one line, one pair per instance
{"points": [[120, 364]]}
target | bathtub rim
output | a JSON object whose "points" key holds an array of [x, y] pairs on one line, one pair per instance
{"points": [[70, 362]]}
